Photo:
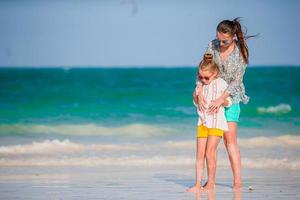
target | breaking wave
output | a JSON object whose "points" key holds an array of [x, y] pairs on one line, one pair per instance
{"points": [[287, 141], [49, 147], [131, 130], [258, 163], [279, 109], [67, 153], [66, 146]]}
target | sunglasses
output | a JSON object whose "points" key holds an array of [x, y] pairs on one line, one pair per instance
{"points": [[224, 42], [204, 77]]}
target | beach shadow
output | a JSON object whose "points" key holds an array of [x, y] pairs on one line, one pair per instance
{"points": [[185, 182], [203, 194], [171, 178]]}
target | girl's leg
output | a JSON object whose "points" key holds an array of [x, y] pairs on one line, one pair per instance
{"points": [[201, 145], [230, 141], [211, 160]]}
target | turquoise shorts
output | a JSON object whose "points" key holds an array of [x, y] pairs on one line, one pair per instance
{"points": [[232, 113]]}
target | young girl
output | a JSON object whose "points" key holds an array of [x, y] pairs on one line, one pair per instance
{"points": [[231, 54], [210, 126]]}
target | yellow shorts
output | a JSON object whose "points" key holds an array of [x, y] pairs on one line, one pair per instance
{"points": [[204, 132]]}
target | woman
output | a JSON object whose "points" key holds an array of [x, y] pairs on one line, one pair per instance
{"points": [[231, 54]]}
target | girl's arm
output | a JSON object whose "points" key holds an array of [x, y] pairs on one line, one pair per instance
{"points": [[198, 97]]}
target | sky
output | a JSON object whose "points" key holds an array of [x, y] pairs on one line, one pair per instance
{"points": [[117, 33]]}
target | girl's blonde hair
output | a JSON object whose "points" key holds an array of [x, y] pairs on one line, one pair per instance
{"points": [[208, 63]]}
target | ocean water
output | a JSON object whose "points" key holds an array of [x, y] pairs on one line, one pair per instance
{"points": [[138, 116]]}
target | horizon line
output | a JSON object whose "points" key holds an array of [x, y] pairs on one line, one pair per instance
{"points": [[135, 66]]}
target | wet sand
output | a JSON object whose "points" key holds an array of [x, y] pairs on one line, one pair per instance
{"points": [[140, 183]]}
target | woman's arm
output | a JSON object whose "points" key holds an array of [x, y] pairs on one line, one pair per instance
{"points": [[231, 90], [227, 102], [215, 105]]}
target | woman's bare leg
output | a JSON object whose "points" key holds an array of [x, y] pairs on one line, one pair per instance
{"points": [[201, 146], [211, 160], [230, 141]]}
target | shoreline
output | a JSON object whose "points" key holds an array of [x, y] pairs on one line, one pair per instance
{"points": [[140, 182]]}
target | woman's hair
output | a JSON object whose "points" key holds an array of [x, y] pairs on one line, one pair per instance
{"points": [[208, 63], [234, 27]]}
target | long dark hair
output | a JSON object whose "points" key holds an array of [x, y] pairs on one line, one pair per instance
{"points": [[234, 27]]}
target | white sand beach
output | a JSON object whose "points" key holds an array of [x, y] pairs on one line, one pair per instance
{"points": [[140, 183], [68, 169]]}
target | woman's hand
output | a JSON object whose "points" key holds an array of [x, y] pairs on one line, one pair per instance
{"points": [[215, 105]]}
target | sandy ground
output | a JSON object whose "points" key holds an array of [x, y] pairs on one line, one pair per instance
{"points": [[140, 183]]}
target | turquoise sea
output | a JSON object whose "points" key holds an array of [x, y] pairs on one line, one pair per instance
{"points": [[111, 112]]}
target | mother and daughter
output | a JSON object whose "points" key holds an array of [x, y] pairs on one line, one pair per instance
{"points": [[218, 93]]}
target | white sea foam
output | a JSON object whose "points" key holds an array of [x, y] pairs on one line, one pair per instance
{"points": [[67, 153], [287, 141], [279, 109], [186, 144], [280, 163], [98, 161], [65, 146], [45, 147], [171, 161], [131, 130], [114, 147]]}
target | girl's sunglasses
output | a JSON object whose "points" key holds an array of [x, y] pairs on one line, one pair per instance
{"points": [[204, 78]]}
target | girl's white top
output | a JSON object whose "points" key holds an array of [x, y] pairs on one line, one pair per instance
{"points": [[211, 92]]}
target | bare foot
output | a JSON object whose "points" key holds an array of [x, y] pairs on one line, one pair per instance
{"points": [[209, 186], [237, 186], [194, 189]]}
